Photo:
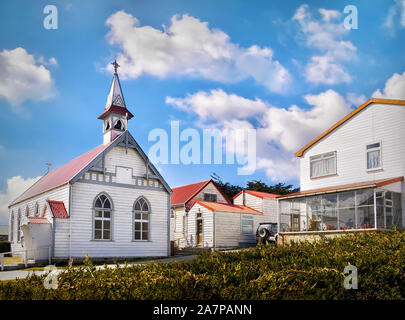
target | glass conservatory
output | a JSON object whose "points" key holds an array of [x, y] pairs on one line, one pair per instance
{"points": [[371, 208]]}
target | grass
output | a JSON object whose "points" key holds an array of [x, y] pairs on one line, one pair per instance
{"points": [[12, 260]]}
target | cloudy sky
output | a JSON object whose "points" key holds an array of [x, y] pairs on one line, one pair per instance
{"points": [[288, 69]]}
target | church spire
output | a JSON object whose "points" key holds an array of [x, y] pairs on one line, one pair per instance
{"points": [[115, 97], [116, 114]]}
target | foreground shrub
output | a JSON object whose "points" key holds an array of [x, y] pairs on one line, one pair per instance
{"points": [[297, 271]]}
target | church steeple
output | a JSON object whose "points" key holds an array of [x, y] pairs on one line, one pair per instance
{"points": [[116, 114]]}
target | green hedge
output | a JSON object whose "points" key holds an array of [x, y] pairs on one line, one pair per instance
{"points": [[5, 246], [296, 271]]}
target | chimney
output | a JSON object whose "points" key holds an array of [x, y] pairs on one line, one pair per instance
{"points": [[244, 197]]}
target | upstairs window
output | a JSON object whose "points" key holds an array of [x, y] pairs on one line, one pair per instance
{"points": [[36, 211], [210, 197], [374, 156], [323, 164], [27, 211]]}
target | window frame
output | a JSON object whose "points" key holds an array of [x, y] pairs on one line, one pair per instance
{"points": [[374, 149], [210, 195], [36, 209], [19, 225], [322, 157], [111, 219], [246, 218], [12, 222], [148, 212]]}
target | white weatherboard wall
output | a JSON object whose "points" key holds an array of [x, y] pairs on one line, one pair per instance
{"points": [[57, 194], [228, 230], [122, 222], [382, 123], [210, 188], [265, 205]]}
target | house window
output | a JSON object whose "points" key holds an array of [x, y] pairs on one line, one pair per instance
{"points": [[323, 164], [102, 218], [247, 224], [141, 219], [210, 197], [374, 156], [27, 211]]}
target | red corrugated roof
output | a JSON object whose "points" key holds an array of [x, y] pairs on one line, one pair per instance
{"points": [[259, 194], [61, 175], [38, 220], [223, 207], [366, 184], [58, 209], [183, 194]]}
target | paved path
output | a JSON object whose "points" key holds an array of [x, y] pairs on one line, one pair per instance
{"points": [[21, 274]]}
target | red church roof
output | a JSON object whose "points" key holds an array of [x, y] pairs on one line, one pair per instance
{"points": [[61, 175], [183, 194], [58, 209]]}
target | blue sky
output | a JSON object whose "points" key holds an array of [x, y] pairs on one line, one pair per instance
{"points": [[292, 63]]}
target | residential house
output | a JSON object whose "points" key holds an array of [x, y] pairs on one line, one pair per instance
{"points": [[351, 176]]}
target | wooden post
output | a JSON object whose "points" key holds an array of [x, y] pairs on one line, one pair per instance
{"points": [[2, 261], [25, 258]]}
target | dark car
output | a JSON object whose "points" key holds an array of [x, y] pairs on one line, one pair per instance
{"points": [[267, 232]]}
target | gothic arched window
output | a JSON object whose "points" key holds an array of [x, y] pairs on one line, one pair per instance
{"points": [[18, 225], [119, 125], [142, 213], [27, 211], [11, 227], [36, 211], [102, 217]]}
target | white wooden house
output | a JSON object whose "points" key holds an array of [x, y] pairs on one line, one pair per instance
{"points": [[109, 202], [352, 174], [203, 216]]}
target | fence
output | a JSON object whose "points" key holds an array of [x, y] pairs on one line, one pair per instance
{"points": [[25, 255]]}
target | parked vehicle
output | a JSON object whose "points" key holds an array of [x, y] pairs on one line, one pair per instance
{"points": [[267, 232]]}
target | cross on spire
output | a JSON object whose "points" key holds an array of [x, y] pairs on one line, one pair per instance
{"points": [[48, 164], [115, 65]]}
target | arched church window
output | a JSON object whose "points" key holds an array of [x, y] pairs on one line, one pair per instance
{"points": [[102, 217], [27, 211], [119, 125], [36, 211], [18, 225], [12, 227], [142, 213]]}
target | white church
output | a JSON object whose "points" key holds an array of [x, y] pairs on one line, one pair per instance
{"points": [[110, 202]]}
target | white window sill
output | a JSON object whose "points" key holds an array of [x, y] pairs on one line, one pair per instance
{"points": [[325, 176], [374, 170]]}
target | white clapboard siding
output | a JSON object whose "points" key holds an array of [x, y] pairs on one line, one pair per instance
{"points": [[123, 201], [207, 216], [209, 188], [179, 213], [61, 241], [376, 123], [251, 201], [227, 229], [129, 158], [57, 194]]}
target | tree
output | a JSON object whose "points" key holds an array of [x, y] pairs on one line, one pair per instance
{"points": [[255, 185]]}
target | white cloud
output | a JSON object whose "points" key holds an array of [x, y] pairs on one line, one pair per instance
{"points": [[189, 47], [394, 88], [280, 131], [397, 9], [326, 36], [15, 187], [217, 104], [24, 78]]}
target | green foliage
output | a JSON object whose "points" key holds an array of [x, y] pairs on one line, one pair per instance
{"points": [[254, 185], [297, 271], [5, 246]]}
